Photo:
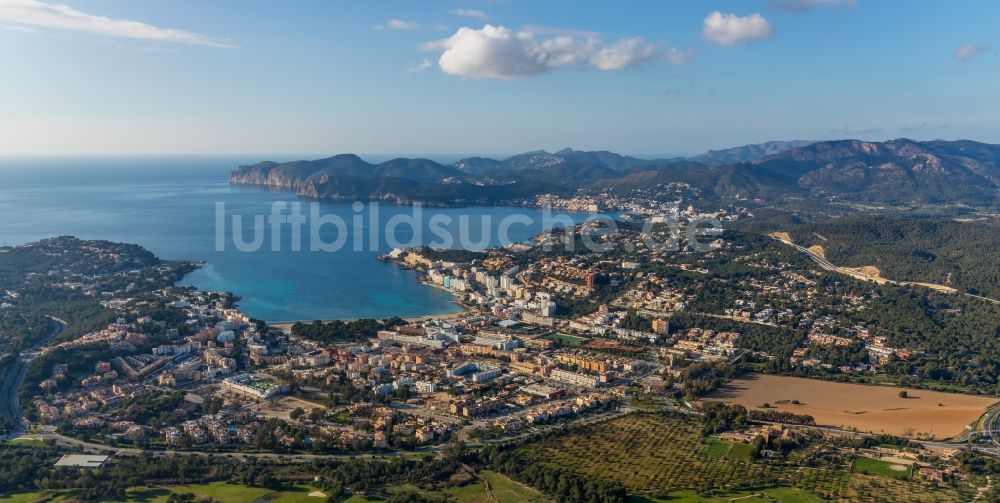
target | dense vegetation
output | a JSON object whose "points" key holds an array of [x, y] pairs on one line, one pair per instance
{"points": [[657, 455], [342, 331], [963, 254], [31, 469], [560, 483], [69, 255]]}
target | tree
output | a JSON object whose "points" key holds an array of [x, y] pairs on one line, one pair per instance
{"points": [[317, 414], [296, 413], [903, 394]]}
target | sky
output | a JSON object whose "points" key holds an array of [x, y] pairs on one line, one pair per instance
{"points": [[489, 77]]}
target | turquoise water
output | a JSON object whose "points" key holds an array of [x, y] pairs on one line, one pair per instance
{"points": [[169, 206]]}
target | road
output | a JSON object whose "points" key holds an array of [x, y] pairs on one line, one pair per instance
{"points": [[855, 273], [274, 456], [990, 429], [11, 379], [829, 266], [10, 407], [987, 299], [293, 458]]}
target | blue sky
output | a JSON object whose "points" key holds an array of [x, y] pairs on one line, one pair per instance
{"points": [[491, 77]]}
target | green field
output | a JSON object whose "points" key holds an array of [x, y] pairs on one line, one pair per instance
{"points": [[774, 494], [739, 451], [504, 490], [569, 340], [719, 449], [883, 468], [228, 493], [27, 442], [658, 455], [29, 497], [647, 403], [716, 448]]}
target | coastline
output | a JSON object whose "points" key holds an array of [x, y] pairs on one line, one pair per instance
{"points": [[451, 316]]}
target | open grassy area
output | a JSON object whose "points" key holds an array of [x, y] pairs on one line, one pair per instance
{"points": [[29, 497], [647, 403], [719, 449], [656, 455], [882, 468], [27, 442], [716, 448], [739, 451], [504, 490], [229, 493], [779, 494], [569, 340]]}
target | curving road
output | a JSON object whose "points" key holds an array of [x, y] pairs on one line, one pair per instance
{"points": [[857, 274], [13, 375]]}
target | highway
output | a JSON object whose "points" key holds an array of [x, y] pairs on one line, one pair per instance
{"points": [[856, 273], [13, 375], [829, 266]]}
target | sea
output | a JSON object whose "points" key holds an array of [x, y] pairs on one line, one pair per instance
{"points": [[183, 208]]}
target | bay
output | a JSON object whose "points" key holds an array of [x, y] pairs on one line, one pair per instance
{"points": [[170, 206]]}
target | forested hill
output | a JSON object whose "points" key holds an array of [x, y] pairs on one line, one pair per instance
{"points": [[69, 255], [896, 172], [959, 253]]}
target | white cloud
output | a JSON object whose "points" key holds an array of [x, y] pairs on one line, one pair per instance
{"points": [[969, 51], [679, 57], [35, 13], [623, 54], [728, 29], [397, 24], [419, 67], [806, 5], [476, 13], [498, 52]]}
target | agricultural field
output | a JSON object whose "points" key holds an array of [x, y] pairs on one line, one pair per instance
{"points": [[883, 468], [874, 409], [660, 456]]}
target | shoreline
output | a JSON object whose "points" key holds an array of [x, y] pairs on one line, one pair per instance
{"points": [[451, 316]]}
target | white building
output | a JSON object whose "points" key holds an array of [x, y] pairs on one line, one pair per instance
{"points": [[573, 378], [251, 386]]}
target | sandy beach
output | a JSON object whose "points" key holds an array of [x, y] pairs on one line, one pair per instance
{"points": [[286, 326]]}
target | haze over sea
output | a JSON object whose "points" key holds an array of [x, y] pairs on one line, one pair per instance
{"points": [[168, 205]]}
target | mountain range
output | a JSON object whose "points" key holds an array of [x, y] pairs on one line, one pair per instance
{"points": [[898, 171]]}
